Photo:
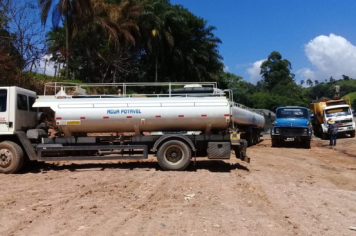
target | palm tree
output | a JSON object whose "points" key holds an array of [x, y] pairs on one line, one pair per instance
{"points": [[94, 17], [157, 22], [118, 22], [309, 82], [76, 14]]}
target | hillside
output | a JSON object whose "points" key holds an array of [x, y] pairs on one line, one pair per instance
{"points": [[347, 87]]}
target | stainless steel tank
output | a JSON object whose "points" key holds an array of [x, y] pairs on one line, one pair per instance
{"points": [[92, 115], [143, 114], [245, 117]]}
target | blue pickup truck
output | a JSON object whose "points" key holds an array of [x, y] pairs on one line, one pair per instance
{"points": [[292, 124]]}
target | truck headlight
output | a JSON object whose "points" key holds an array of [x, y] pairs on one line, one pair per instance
{"points": [[277, 130], [305, 131]]}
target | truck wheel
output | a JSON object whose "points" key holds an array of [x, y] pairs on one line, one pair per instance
{"points": [[174, 155], [307, 143], [258, 137], [253, 138], [324, 136], [274, 142], [11, 157], [352, 134], [249, 138]]}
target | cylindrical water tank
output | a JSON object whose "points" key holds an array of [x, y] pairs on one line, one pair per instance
{"points": [[143, 114]]}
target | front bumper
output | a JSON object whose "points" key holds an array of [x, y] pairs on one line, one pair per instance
{"points": [[290, 137], [291, 134], [348, 127]]}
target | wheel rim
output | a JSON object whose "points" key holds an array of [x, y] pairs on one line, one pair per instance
{"points": [[174, 154], [6, 158]]}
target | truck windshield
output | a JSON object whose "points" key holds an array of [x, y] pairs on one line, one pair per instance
{"points": [[345, 111], [292, 113]]}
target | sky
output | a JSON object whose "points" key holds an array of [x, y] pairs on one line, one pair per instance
{"points": [[317, 36]]}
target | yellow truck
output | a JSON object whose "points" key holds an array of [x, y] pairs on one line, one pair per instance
{"points": [[339, 110]]}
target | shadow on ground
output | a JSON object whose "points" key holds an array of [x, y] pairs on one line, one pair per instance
{"points": [[212, 166]]}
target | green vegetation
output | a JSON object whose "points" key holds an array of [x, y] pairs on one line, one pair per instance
{"points": [[138, 41], [277, 88], [135, 40]]}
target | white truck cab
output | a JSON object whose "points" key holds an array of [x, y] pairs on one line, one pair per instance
{"points": [[342, 115], [19, 116]]}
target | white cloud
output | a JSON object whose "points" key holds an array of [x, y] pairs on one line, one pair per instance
{"points": [[331, 56], [226, 68], [254, 71]]}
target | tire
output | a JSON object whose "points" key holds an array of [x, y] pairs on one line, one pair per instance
{"points": [[306, 143], [253, 137], [11, 157], [174, 155], [352, 134], [274, 142], [324, 136], [249, 139], [258, 136]]}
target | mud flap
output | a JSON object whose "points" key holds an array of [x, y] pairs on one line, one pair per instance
{"points": [[240, 151]]}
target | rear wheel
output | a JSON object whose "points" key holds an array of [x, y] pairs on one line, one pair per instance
{"points": [[11, 157], [258, 136], [249, 138], [275, 142], [352, 134], [254, 140], [174, 155]]}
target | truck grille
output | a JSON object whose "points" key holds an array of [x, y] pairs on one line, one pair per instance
{"points": [[291, 131]]}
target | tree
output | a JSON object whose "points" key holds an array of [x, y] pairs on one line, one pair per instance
{"points": [[302, 82], [242, 90], [25, 32], [345, 77], [316, 82], [275, 70], [100, 44], [177, 45], [77, 13], [309, 82], [331, 79]]}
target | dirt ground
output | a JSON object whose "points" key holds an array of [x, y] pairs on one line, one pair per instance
{"points": [[283, 191]]}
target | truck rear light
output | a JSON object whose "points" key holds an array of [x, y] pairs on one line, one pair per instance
{"points": [[158, 116], [105, 117], [59, 118], [128, 117], [82, 118], [181, 116], [203, 115], [227, 115]]}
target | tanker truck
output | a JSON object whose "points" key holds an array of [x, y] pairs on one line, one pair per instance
{"points": [[122, 125], [339, 110]]}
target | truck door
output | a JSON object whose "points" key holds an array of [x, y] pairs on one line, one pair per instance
{"points": [[4, 110]]}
